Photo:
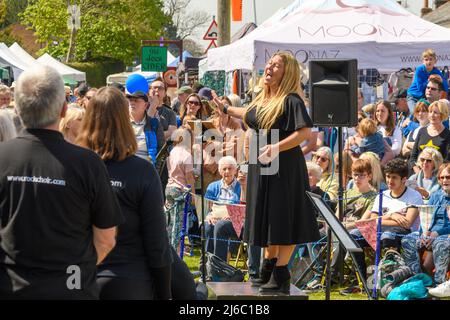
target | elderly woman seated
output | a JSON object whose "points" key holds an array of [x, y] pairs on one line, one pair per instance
{"points": [[328, 182], [435, 240], [218, 226], [425, 181]]}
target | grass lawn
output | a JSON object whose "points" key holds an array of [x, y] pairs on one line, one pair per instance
{"points": [[193, 264]]}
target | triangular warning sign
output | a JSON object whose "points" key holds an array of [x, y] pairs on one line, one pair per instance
{"points": [[213, 32], [212, 44]]}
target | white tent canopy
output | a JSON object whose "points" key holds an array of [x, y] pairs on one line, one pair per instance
{"points": [[379, 33], [18, 51], [63, 70], [9, 58]]}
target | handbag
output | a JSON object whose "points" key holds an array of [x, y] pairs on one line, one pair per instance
{"points": [[218, 270]]}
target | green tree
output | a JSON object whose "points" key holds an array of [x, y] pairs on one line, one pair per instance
{"points": [[3, 10], [13, 9], [109, 28]]}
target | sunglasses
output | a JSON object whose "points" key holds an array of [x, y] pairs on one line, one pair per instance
{"points": [[427, 160], [194, 103], [431, 88], [444, 177], [157, 88], [322, 159]]}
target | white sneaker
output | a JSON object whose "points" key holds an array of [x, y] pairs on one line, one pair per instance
{"points": [[441, 291]]}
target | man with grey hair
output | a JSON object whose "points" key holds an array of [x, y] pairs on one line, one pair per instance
{"points": [[58, 212]]}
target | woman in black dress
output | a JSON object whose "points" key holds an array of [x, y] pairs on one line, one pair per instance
{"points": [[279, 214]]}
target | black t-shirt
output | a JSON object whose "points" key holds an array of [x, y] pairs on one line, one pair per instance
{"points": [[166, 117], [440, 142], [142, 242], [51, 194]]}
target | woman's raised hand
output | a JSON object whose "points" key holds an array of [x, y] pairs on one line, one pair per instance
{"points": [[216, 100]]}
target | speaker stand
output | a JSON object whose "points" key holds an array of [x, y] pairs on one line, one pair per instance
{"points": [[341, 218]]}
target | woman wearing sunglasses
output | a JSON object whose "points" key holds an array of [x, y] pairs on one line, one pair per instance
{"points": [[193, 106], [425, 181], [328, 183]]}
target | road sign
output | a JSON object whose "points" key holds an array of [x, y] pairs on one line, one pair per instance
{"points": [[154, 59], [213, 31], [73, 21], [212, 44]]}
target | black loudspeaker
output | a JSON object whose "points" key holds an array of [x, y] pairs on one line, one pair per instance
{"points": [[334, 92]]}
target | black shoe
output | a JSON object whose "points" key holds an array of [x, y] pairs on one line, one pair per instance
{"points": [[279, 283], [266, 271]]}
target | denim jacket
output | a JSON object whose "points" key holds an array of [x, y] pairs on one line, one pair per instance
{"points": [[441, 200]]}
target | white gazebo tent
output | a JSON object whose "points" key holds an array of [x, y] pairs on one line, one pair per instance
{"points": [[64, 70], [381, 34], [23, 55], [10, 59]]}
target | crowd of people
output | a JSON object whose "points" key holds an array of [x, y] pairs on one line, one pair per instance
{"points": [[98, 178]]}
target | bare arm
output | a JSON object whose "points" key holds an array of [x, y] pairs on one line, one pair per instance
{"points": [[407, 147], [312, 143], [191, 180], [104, 241], [237, 112], [232, 111], [169, 132], [271, 151], [294, 139], [399, 220], [320, 139]]}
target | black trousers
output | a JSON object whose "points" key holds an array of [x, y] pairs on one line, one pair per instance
{"points": [[183, 284], [114, 288], [18, 283]]}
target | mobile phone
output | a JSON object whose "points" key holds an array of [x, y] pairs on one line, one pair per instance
{"points": [[244, 168]]}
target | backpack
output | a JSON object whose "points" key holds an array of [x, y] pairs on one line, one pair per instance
{"points": [[391, 262], [218, 270]]}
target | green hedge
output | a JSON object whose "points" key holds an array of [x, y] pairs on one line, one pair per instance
{"points": [[97, 71]]}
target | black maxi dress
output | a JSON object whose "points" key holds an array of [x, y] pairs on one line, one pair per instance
{"points": [[278, 210]]}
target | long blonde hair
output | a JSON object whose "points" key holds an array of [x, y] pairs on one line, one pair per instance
{"points": [[268, 110], [74, 112], [377, 173]]}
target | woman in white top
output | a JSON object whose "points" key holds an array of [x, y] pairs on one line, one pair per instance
{"points": [[386, 126]]}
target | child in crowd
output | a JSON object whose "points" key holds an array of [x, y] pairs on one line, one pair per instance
{"points": [[181, 174], [371, 139], [314, 175], [417, 89]]}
